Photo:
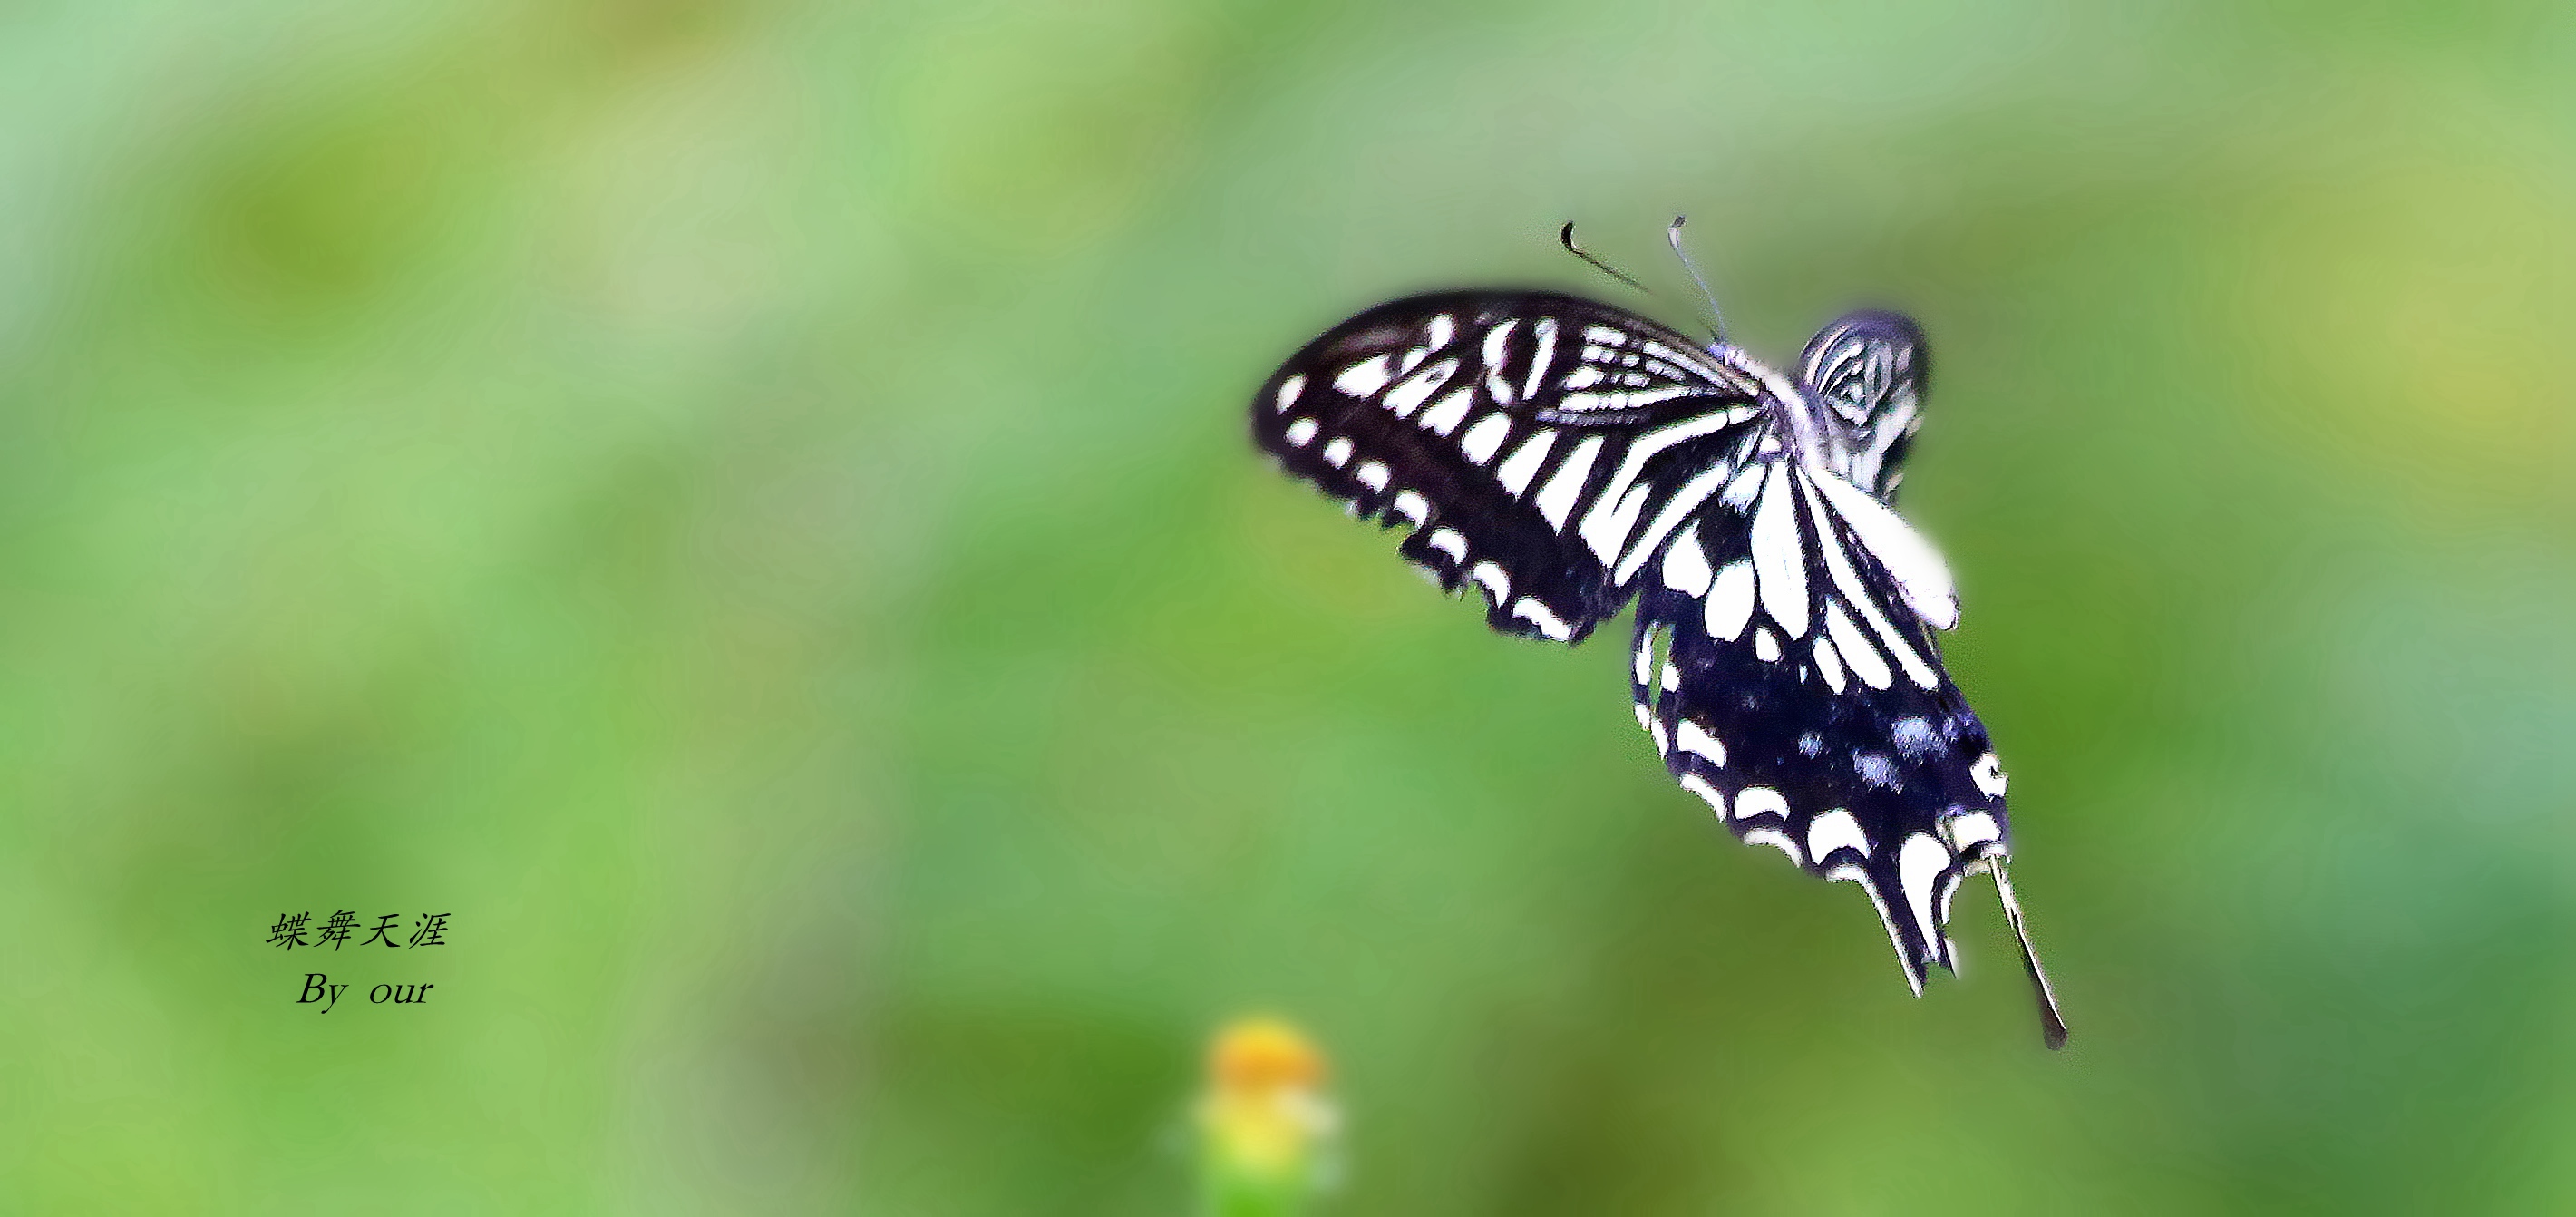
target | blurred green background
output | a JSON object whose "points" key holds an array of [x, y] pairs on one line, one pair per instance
{"points": [[746, 509]]}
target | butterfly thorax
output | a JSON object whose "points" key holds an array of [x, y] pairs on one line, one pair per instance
{"points": [[1816, 434]]}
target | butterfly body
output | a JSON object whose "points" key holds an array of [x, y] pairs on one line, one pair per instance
{"points": [[1564, 457]]}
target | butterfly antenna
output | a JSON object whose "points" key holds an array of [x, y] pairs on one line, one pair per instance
{"points": [[1565, 237], [2052, 1026], [1716, 321]]}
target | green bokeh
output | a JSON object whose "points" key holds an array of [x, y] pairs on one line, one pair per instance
{"points": [[745, 507]]}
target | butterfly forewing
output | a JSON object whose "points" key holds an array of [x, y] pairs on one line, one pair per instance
{"points": [[1535, 444]]}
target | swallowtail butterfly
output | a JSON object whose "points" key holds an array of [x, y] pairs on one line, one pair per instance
{"points": [[1563, 456]]}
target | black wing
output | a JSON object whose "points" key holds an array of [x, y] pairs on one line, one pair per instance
{"points": [[1785, 670], [1871, 369], [1540, 446]]}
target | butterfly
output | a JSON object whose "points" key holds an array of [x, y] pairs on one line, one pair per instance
{"points": [[1563, 457]]}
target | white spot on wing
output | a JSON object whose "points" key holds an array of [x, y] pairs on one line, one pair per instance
{"points": [[1657, 349], [1487, 435], [1442, 330], [1373, 475], [1686, 564], [1631, 400], [1767, 835], [1338, 452], [1730, 601], [1556, 499], [1918, 862], [1498, 342], [1856, 651], [1545, 334], [1444, 417], [1524, 461], [1407, 397], [1654, 729], [1538, 614], [1691, 737], [1450, 542], [1708, 794], [1412, 506], [1301, 432], [1365, 378], [1949, 882], [1760, 800], [1914, 736], [1288, 391], [1828, 664], [1605, 528], [1497, 584], [1834, 830], [1777, 555], [1988, 773], [1765, 647], [1672, 678], [1748, 482], [1966, 832]]}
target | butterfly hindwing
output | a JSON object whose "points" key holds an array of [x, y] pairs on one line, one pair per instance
{"points": [[1532, 442], [1788, 684]]}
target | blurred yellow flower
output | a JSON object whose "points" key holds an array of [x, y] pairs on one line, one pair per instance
{"points": [[1266, 1128]]}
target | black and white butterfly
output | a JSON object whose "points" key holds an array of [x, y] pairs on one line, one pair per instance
{"points": [[1563, 456]]}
